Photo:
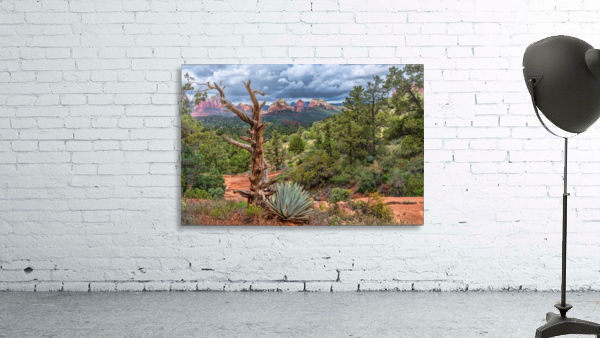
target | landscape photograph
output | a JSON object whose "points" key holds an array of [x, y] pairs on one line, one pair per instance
{"points": [[302, 145]]}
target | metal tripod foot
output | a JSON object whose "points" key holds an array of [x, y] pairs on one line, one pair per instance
{"points": [[558, 326]]}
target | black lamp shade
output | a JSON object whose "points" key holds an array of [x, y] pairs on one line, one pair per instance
{"points": [[565, 74]]}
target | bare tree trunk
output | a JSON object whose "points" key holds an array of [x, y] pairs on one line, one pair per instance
{"points": [[260, 187], [373, 126]]}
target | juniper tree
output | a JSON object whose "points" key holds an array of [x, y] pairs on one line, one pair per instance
{"points": [[260, 186]]}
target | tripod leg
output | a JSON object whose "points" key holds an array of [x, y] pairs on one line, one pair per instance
{"points": [[558, 326]]}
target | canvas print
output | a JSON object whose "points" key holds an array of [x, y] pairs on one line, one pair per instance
{"points": [[302, 145]]}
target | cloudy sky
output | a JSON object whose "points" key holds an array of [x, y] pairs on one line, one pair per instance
{"points": [[291, 82]]}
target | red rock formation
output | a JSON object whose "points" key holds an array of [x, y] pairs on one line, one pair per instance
{"points": [[279, 105], [207, 106], [319, 102], [299, 106], [246, 108]]}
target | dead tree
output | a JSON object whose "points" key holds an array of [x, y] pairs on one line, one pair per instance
{"points": [[260, 186]]}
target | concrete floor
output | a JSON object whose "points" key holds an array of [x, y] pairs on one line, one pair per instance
{"points": [[261, 314]]}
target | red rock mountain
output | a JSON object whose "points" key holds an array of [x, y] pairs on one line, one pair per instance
{"points": [[279, 105], [299, 107], [319, 102], [212, 106], [246, 108], [208, 106]]}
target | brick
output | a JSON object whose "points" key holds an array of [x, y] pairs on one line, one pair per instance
{"points": [[24, 145], [51, 145], [101, 134], [89, 143], [105, 18], [76, 286], [48, 157], [50, 134], [101, 286]]}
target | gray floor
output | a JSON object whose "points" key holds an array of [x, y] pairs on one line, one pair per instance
{"points": [[255, 314]]}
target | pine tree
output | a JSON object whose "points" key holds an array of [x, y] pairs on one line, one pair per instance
{"points": [[375, 95], [274, 149], [185, 103], [327, 138], [349, 129], [406, 81], [296, 145]]}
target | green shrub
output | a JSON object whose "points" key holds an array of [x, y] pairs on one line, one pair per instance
{"points": [[197, 194], [339, 195], [296, 145], [239, 162], [341, 179], [368, 181], [222, 210], [374, 206], [397, 181], [318, 167], [254, 211], [212, 179], [414, 186], [406, 172], [217, 193], [412, 145]]}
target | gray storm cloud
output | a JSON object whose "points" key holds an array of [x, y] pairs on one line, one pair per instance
{"points": [[290, 82]]}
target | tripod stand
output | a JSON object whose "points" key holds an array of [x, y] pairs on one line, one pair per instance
{"points": [[558, 325]]}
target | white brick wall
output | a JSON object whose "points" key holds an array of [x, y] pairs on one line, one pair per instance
{"points": [[89, 131]]}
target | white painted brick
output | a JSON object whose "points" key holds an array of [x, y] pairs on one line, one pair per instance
{"points": [[184, 286], [51, 145], [455, 144], [373, 40], [301, 52], [76, 286], [480, 156], [328, 51], [484, 144], [88, 137], [354, 52], [132, 286], [318, 286], [78, 146], [98, 157], [134, 145], [48, 157], [106, 145], [49, 286], [101, 286], [52, 134], [352, 29]]}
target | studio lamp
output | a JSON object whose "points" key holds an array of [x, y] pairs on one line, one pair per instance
{"points": [[562, 74]]}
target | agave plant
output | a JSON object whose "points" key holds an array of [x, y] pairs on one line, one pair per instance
{"points": [[290, 202]]}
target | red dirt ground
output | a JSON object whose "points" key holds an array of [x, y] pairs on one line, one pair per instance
{"points": [[240, 181], [407, 210]]}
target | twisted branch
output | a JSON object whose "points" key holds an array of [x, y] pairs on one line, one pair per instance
{"points": [[230, 107], [238, 144], [244, 138], [257, 107]]}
